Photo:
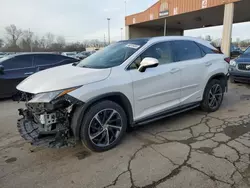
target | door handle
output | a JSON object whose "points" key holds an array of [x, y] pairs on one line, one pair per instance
{"points": [[174, 70], [28, 73], [208, 64]]}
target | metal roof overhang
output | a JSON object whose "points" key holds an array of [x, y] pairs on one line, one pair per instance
{"points": [[202, 18]]}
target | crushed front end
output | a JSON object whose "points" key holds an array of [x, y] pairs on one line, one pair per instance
{"points": [[46, 120]]}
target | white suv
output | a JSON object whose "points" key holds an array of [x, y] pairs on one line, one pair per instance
{"points": [[128, 83]]}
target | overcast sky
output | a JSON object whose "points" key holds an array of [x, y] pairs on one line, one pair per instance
{"points": [[77, 20]]}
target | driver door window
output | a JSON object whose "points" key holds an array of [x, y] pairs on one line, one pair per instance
{"points": [[161, 51]]}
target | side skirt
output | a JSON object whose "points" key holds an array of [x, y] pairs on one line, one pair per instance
{"points": [[165, 114]]}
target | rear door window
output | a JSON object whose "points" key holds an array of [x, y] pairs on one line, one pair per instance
{"points": [[18, 62], [206, 49], [186, 50], [47, 59]]}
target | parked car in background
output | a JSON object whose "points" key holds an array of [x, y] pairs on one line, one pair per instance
{"points": [[2, 54], [70, 54], [83, 55], [128, 83], [15, 68], [235, 51], [240, 68]]}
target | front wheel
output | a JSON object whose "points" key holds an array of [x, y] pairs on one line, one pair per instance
{"points": [[103, 126], [213, 96]]}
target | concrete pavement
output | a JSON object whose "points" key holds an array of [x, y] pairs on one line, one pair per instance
{"points": [[190, 150]]}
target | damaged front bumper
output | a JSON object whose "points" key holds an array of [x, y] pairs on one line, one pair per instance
{"points": [[48, 123]]}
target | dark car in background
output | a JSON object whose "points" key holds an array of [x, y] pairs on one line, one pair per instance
{"points": [[2, 54], [15, 68], [235, 51], [83, 55], [239, 69]]}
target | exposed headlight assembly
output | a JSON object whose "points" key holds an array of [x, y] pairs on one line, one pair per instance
{"points": [[233, 63], [49, 96]]}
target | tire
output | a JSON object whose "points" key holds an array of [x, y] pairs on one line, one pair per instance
{"points": [[206, 104], [98, 133]]}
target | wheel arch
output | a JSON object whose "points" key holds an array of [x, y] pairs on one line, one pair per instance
{"points": [[219, 76], [80, 110]]}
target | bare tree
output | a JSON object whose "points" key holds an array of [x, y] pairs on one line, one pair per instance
{"points": [[49, 40], [18, 40], [60, 40], [1, 43], [42, 43], [27, 40], [13, 34], [79, 47], [61, 43]]}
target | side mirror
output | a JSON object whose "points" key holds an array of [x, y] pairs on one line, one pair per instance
{"points": [[1, 69], [148, 62]]}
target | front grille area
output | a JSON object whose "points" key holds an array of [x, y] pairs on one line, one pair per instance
{"points": [[245, 67]]}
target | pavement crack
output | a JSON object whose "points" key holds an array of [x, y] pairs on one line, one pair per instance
{"points": [[174, 172], [242, 143], [129, 165], [116, 179], [164, 156], [213, 178], [186, 128]]}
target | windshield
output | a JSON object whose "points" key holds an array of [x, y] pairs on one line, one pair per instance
{"points": [[5, 58], [113, 55], [247, 51]]}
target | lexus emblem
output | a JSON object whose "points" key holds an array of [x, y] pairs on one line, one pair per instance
{"points": [[248, 67]]}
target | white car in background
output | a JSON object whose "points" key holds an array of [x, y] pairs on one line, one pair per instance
{"points": [[70, 54], [2, 54], [128, 83]]}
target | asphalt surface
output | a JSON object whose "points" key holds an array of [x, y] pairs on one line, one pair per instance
{"points": [[190, 150]]}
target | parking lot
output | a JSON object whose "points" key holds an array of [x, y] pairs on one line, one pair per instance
{"points": [[193, 149]]}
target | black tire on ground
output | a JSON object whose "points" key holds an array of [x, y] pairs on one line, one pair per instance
{"points": [[101, 110], [232, 80], [205, 102]]}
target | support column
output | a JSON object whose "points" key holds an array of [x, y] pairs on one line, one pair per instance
{"points": [[227, 29], [165, 27], [127, 34]]}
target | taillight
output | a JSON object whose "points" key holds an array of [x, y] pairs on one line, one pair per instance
{"points": [[227, 60]]}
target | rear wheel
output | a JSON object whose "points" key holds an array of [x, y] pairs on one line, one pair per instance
{"points": [[213, 96], [103, 126]]}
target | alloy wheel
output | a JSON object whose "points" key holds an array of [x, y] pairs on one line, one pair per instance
{"points": [[215, 96], [105, 127]]}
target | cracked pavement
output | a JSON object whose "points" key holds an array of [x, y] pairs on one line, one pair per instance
{"points": [[189, 150]]}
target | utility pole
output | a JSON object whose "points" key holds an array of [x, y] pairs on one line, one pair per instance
{"points": [[104, 40], [125, 7], [31, 45], [121, 33], [108, 29]]}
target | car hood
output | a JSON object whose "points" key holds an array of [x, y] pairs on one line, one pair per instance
{"points": [[61, 77], [244, 58]]}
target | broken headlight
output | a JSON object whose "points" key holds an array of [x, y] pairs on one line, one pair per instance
{"points": [[49, 96]]}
